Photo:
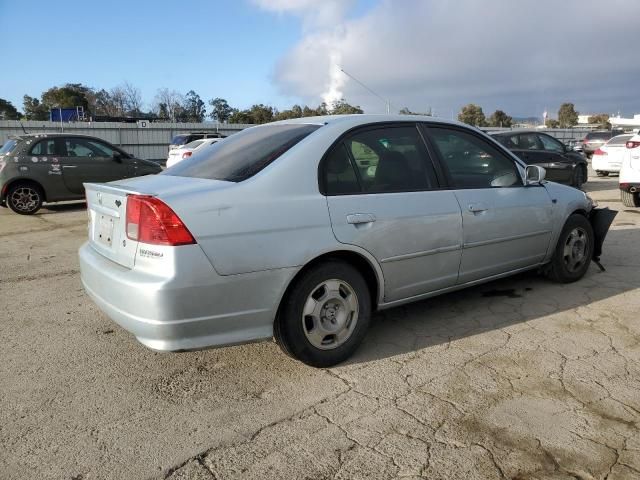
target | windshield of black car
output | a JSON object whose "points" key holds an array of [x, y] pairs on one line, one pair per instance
{"points": [[8, 146], [242, 155]]}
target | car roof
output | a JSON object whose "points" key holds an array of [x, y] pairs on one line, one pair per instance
{"points": [[52, 134], [515, 132], [354, 120]]}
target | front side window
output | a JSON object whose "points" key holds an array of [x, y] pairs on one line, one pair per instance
{"points": [[8, 146], [80, 147], [44, 148], [551, 144], [473, 162], [243, 154]]}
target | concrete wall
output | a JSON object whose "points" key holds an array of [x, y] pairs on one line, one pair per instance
{"points": [[151, 142]]}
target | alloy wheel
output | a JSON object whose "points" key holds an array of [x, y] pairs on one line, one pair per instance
{"points": [[575, 249]]}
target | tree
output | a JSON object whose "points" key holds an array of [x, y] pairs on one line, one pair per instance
{"points": [[499, 119], [552, 123], [341, 107], [33, 109], [8, 111], [406, 111], [293, 112], [194, 107], [600, 119], [472, 114], [70, 95], [240, 116], [132, 99], [567, 115], [221, 109], [168, 104]]}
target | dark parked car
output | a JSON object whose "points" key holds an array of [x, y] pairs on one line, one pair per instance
{"points": [[563, 165], [41, 168]]}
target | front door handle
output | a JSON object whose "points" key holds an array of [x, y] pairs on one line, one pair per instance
{"points": [[358, 218], [69, 166], [477, 207]]}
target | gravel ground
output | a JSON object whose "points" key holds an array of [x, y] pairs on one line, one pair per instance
{"points": [[519, 379]]}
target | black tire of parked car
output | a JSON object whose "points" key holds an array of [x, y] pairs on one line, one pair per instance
{"points": [[289, 330], [601, 173], [30, 189], [630, 199], [558, 270]]}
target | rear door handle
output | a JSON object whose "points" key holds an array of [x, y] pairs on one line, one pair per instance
{"points": [[358, 218], [477, 207], [69, 166]]}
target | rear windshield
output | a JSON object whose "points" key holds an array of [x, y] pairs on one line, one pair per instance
{"points": [[179, 139], [194, 144], [619, 140], [598, 135], [242, 155], [8, 146]]}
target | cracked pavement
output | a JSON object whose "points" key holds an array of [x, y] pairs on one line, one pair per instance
{"points": [[516, 379]]}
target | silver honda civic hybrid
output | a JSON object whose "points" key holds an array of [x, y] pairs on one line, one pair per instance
{"points": [[300, 229]]}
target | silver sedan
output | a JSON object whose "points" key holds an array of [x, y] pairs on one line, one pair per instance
{"points": [[299, 229]]}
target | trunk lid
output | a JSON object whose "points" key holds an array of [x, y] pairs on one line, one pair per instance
{"points": [[107, 209]]}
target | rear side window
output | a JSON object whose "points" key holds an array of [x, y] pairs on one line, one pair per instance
{"points": [[8, 146], [389, 159], [472, 162], [243, 154], [44, 147]]}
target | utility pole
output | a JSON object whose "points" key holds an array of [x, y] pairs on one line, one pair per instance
{"points": [[386, 101]]}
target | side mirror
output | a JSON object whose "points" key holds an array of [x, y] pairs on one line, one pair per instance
{"points": [[534, 174], [117, 156]]}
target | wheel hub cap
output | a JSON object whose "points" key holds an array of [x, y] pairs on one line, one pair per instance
{"points": [[330, 314], [575, 249]]}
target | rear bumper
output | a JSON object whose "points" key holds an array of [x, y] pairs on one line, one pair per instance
{"points": [[188, 306]]}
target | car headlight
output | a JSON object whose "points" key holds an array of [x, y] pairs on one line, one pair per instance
{"points": [[593, 203]]}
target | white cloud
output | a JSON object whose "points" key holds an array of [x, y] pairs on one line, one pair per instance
{"points": [[522, 56]]}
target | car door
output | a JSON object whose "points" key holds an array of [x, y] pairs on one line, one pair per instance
{"points": [[558, 164], [45, 167], [383, 196], [506, 225], [89, 160]]}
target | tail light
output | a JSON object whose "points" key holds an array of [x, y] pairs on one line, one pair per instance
{"points": [[633, 144], [599, 151], [150, 220], [186, 155]]}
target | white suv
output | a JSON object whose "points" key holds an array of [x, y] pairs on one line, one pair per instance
{"points": [[630, 173]]}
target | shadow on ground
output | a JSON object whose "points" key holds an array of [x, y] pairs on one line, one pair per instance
{"points": [[497, 305]]}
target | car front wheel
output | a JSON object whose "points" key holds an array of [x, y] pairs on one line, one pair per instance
{"points": [[25, 198], [325, 316], [573, 251]]}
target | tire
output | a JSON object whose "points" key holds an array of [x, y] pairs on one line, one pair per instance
{"points": [[25, 198], [337, 303], [578, 177], [573, 252], [602, 174], [629, 199]]}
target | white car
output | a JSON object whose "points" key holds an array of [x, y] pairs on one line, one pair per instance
{"points": [[608, 158], [178, 154], [630, 173]]}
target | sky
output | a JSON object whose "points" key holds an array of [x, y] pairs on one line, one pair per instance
{"points": [[523, 57]]}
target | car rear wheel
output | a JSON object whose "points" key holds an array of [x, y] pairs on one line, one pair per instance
{"points": [[325, 316], [25, 198], [629, 199], [573, 251]]}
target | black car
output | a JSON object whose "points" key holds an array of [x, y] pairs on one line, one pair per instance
{"points": [[563, 165]]}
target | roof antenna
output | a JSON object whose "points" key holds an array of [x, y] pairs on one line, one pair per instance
{"points": [[23, 129]]}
